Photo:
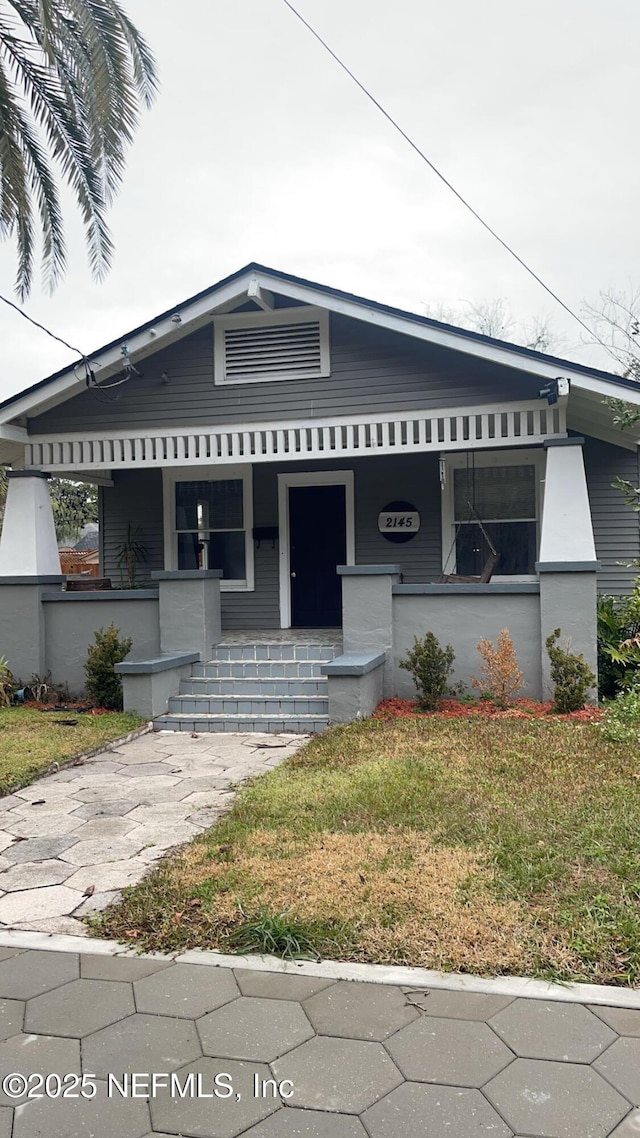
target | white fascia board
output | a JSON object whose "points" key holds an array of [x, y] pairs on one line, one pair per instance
{"points": [[149, 340], [164, 332], [446, 339]]}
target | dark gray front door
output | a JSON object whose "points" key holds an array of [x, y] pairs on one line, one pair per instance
{"points": [[317, 529]]}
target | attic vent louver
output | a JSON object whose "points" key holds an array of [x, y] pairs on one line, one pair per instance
{"points": [[254, 349]]}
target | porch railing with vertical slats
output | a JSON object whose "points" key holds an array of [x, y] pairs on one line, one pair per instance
{"points": [[401, 432]]}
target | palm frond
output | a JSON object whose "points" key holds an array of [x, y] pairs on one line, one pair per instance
{"points": [[73, 76]]}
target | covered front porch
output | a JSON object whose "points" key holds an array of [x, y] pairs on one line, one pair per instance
{"points": [[348, 525]]}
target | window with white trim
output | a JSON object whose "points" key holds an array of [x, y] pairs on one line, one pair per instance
{"points": [[289, 343], [492, 498], [211, 522]]}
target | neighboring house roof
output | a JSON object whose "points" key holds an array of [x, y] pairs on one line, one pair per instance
{"points": [[183, 318], [88, 540]]}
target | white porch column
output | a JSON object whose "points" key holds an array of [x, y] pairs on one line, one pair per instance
{"points": [[28, 545], [567, 533], [568, 563], [29, 562]]}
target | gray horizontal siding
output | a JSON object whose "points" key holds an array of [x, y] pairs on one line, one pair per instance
{"points": [[615, 525], [377, 481], [409, 478], [137, 497], [371, 370]]}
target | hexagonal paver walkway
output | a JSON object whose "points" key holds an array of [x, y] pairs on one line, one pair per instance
{"points": [[70, 842], [170, 1048]]}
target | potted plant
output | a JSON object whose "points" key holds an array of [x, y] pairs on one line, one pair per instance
{"points": [[129, 554]]}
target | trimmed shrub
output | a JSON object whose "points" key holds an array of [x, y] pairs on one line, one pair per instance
{"points": [[430, 665], [571, 675], [104, 687], [500, 675]]}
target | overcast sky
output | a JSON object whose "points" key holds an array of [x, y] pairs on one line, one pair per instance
{"points": [[260, 148]]}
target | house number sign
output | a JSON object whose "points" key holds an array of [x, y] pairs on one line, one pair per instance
{"points": [[399, 521]]}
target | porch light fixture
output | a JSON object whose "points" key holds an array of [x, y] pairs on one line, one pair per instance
{"points": [[442, 466]]}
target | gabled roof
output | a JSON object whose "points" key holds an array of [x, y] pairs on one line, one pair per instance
{"points": [[181, 319]]}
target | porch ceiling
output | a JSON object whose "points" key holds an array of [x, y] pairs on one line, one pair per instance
{"points": [[447, 429]]}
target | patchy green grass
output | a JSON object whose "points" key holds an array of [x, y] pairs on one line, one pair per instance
{"points": [[491, 846], [31, 741]]}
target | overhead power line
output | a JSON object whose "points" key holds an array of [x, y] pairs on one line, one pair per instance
{"points": [[89, 379], [414, 146], [42, 328]]}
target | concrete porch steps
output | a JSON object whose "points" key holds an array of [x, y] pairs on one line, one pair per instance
{"points": [[270, 724], [256, 685]]}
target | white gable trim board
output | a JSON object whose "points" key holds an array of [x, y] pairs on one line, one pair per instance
{"points": [[187, 317]]}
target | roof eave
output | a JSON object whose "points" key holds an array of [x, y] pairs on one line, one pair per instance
{"points": [[165, 329]]}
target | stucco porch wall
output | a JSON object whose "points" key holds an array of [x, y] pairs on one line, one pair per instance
{"points": [[70, 620], [462, 615]]}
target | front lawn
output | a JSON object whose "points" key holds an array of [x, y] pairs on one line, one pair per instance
{"points": [[31, 741], [484, 844]]}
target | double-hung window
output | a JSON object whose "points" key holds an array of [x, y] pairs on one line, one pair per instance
{"points": [[492, 498], [211, 522]]}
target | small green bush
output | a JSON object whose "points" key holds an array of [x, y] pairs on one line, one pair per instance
{"points": [[430, 665], [621, 723], [572, 677], [103, 685]]}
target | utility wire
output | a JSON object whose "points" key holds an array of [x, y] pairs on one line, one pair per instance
{"points": [[447, 183], [43, 329], [89, 379]]}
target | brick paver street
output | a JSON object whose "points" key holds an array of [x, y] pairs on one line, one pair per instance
{"points": [[351, 1059]]}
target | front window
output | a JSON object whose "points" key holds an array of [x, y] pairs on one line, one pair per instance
{"points": [[495, 504], [211, 527]]}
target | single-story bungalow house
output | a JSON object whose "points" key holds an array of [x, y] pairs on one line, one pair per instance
{"points": [[304, 480]]}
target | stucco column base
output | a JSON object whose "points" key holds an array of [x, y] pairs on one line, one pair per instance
{"points": [[367, 614], [568, 602], [28, 544], [190, 619], [22, 625]]}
